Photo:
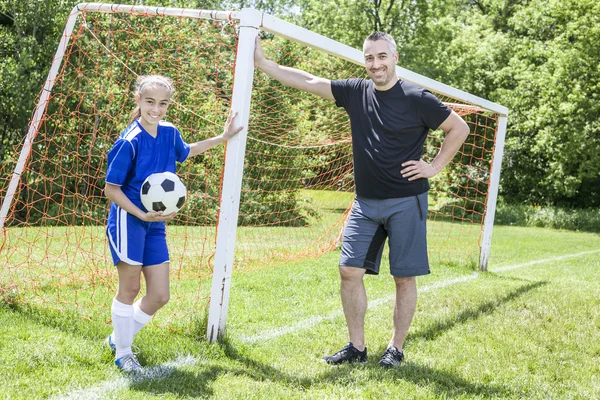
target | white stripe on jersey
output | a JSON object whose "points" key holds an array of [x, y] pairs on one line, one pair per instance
{"points": [[118, 238], [120, 247], [130, 135], [133, 132], [166, 123], [122, 229]]}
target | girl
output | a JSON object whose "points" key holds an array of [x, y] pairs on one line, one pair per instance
{"points": [[137, 238]]}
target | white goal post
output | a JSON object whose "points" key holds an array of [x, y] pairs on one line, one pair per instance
{"points": [[249, 23]]}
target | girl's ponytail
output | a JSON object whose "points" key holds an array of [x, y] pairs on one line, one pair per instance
{"points": [[135, 114]]}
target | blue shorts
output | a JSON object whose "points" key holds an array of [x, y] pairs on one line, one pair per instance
{"points": [[402, 221], [134, 241]]}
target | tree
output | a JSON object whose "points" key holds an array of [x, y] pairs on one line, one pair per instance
{"points": [[537, 57], [29, 35], [540, 60]]}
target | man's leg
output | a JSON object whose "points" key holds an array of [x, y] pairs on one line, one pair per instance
{"points": [[407, 231], [362, 247], [354, 302], [404, 309]]}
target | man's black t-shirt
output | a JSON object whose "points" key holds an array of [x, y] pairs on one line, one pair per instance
{"points": [[388, 128]]}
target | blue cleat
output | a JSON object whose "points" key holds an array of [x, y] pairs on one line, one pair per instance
{"points": [[110, 344], [128, 363]]}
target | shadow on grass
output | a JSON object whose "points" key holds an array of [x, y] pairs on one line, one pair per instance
{"points": [[435, 330], [442, 382], [65, 321], [181, 383], [439, 381], [174, 379]]}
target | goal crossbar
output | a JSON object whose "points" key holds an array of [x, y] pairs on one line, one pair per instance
{"points": [[290, 31], [155, 11]]}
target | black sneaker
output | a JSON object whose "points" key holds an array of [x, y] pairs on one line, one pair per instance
{"points": [[349, 354], [392, 357]]}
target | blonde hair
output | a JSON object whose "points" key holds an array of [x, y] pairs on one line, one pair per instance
{"points": [[144, 82]]}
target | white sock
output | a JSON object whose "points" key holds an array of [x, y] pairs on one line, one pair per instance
{"points": [[140, 318], [122, 318]]}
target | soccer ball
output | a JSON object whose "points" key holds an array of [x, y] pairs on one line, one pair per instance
{"points": [[163, 191]]}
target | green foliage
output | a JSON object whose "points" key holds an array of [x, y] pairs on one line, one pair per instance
{"points": [[538, 58], [350, 22], [554, 138], [587, 220], [29, 35]]}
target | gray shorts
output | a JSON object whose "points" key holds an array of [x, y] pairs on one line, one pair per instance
{"points": [[402, 221]]}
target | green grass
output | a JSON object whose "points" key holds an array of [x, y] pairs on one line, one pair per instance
{"points": [[529, 332], [69, 269]]}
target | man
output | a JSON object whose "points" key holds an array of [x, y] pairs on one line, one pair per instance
{"points": [[390, 119]]}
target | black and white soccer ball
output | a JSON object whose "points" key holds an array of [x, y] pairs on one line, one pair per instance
{"points": [[163, 191]]}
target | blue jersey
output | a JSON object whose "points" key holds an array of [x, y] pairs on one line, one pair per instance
{"points": [[136, 154]]}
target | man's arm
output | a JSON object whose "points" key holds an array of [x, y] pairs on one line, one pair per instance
{"points": [[456, 131], [292, 77]]}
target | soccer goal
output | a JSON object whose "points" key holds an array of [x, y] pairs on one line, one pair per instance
{"points": [[278, 193]]}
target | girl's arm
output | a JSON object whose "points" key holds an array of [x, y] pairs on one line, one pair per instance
{"points": [[116, 195], [229, 131]]}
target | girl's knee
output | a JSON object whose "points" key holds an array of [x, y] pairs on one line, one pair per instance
{"points": [[159, 299], [128, 295], [164, 299]]}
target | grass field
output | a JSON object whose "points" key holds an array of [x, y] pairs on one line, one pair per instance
{"points": [[69, 269], [528, 328]]}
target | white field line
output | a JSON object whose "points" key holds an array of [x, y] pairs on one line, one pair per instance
{"points": [[310, 322], [527, 264], [103, 389]]}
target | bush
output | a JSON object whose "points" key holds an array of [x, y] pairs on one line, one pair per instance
{"points": [[548, 217]]}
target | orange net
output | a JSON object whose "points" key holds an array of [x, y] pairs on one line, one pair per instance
{"points": [[297, 185], [287, 124]]}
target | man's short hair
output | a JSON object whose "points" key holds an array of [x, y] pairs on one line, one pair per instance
{"points": [[383, 36]]}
